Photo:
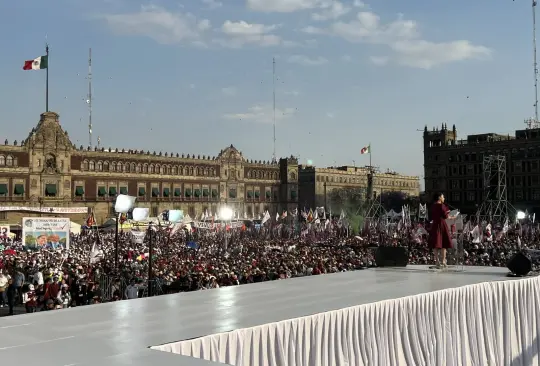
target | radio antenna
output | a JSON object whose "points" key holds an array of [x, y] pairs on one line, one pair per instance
{"points": [[89, 100]]}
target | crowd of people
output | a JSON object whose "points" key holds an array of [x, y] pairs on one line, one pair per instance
{"points": [[191, 260]]}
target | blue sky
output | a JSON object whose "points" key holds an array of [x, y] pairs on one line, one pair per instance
{"points": [[195, 76]]}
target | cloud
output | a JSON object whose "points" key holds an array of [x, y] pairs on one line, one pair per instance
{"points": [[229, 91], [286, 6], [293, 93], [161, 25], [346, 58], [212, 4], [379, 60], [242, 33], [307, 61], [334, 11], [404, 39], [261, 113]]}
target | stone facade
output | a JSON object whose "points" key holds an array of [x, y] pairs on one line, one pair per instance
{"points": [[317, 183], [455, 166], [47, 170]]}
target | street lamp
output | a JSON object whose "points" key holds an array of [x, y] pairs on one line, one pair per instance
{"points": [[123, 205], [226, 214]]}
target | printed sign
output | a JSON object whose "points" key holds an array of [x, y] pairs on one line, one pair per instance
{"points": [[46, 232], [4, 231], [49, 210]]}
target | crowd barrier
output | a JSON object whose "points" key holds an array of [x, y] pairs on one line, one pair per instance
{"points": [[492, 323]]}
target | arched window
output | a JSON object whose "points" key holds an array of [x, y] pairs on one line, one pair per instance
{"points": [[162, 170], [92, 166], [157, 168], [139, 168], [84, 164], [113, 166], [145, 168], [180, 170], [213, 172], [106, 166], [190, 170], [197, 171], [99, 166], [127, 167], [169, 169], [151, 169], [133, 167], [2, 160], [16, 162], [9, 160], [175, 170]]}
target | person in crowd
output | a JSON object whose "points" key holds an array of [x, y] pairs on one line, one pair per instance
{"points": [[11, 293], [30, 300], [132, 290], [3, 287], [64, 297]]}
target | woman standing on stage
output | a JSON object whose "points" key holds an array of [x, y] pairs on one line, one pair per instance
{"points": [[439, 234]]}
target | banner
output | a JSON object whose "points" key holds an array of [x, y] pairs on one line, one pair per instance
{"points": [[46, 232], [211, 225], [50, 210], [4, 231], [138, 236]]}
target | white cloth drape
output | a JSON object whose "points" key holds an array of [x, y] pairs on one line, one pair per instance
{"points": [[494, 323]]}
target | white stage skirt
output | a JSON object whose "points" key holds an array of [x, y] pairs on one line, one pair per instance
{"points": [[492, 323]]}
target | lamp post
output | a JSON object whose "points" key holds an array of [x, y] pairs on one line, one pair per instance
{"points": [[226, 214], [150, 255]]}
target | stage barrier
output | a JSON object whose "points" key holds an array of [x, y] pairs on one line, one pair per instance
{"points": [[492, 323]]}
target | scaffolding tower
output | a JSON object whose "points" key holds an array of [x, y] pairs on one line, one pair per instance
{"points": [[494, 207], [373, 209]]}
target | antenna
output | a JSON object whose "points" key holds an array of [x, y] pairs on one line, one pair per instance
{"points": [[274, 95], [535, 62], [89, 100]]}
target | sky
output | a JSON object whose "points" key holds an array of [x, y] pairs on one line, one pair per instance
{"points": [[196, 76]]}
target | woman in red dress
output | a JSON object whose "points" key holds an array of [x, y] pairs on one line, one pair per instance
{"points": [[439, 234]]}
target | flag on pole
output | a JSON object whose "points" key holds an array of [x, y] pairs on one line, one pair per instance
{"points": [[366, 150], [39, 63]]}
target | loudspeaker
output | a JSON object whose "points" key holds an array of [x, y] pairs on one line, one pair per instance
{"points": [[392, 257], [520, 264]]}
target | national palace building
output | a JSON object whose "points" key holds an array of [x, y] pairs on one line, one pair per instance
{"points": [[47, 174]]}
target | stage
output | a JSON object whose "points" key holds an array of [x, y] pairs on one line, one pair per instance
{"points": [[121, 333]]}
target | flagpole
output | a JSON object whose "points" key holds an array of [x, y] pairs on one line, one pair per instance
{"points": [[47, 79], [369, 153]]}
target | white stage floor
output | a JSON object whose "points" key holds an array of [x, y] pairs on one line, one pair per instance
{"points": [[120, 333]]}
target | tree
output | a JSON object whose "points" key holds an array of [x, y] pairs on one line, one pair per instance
{"points": [[395, 200], [351, 201]]}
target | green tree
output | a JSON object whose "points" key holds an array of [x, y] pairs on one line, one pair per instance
{"points": [[351, 201]]}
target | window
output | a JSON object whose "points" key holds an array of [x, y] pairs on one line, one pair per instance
{"points": [[536, 195], [113, 166], [519, 194], [84, 164], [100, 166], [470, 183], [9, 160], [456, 197], [151, 169], [471, 196], [91, 166], [106, 166], [133, 168]]}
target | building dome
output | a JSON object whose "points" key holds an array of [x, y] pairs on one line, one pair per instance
{"points": [[230, 153]]}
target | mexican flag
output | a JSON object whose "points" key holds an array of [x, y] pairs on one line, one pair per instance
{"points": [[36, 64], [366, 150]]}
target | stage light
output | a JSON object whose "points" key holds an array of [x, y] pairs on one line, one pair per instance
{"points": [[141, 213], [225, 213], [520, 215], [176, 215], [124, 203]]}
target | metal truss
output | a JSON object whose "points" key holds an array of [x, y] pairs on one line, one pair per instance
{"points": [[494, 207]]}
